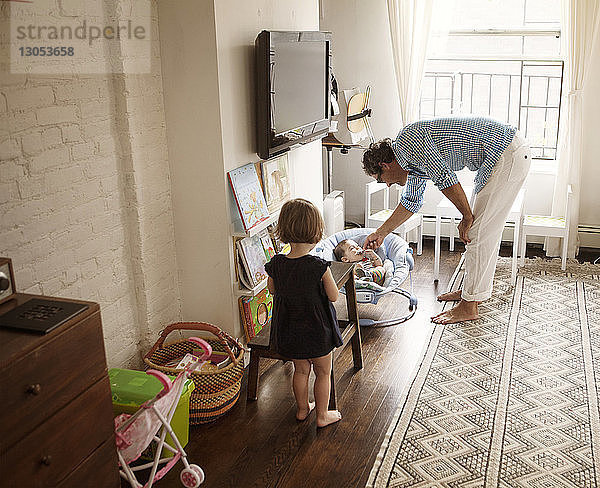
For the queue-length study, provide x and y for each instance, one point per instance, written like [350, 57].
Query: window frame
[541, 164]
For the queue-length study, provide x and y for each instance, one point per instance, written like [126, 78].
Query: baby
[371, 268]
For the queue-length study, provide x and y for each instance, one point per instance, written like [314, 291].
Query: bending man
[435, 149]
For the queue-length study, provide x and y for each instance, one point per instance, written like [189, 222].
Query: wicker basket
[215, 392]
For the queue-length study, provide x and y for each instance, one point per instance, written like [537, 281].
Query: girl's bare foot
[330, 417]
[451, 296]
[301, 414]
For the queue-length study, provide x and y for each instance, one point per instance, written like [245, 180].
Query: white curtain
[410, 25]
[580, 25]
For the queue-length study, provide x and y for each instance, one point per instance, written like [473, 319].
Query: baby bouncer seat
[393, 248]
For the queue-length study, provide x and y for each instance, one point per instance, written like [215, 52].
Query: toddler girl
[304, 327]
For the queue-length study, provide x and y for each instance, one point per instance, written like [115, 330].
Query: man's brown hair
[378, 153]
[300, 221]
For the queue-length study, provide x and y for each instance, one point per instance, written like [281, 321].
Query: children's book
[245, 316]
[258, 168]
[248, 195]
[242, 274]
[256, 312]
[276, 182]
[280, 247]
[268, 245]
[253, 257]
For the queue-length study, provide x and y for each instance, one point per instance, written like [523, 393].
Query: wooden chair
[548, 226]
[516, 217]
[375, 219]
[446, 210]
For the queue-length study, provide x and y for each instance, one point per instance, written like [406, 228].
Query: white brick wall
[83, 163]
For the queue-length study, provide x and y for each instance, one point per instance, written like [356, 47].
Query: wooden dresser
[56, 426]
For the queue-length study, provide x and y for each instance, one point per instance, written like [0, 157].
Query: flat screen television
[293, 86]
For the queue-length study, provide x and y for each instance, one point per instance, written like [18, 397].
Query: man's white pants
[492, 206]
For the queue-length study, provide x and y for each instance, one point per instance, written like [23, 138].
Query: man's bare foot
[451, 296]
[330, 417]
[301, 414]
[462, 312]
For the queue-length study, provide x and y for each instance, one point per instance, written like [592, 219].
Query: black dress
[304, 324]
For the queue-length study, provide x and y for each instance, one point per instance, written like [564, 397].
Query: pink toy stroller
[134, 433]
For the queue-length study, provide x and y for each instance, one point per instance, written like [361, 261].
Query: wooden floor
[260, 443]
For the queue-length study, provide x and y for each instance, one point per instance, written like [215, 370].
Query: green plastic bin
[131, 388]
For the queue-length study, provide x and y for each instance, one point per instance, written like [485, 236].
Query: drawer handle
[34, 389]
[47, 460]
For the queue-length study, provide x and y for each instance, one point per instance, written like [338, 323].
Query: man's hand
[369, 253]
[374, 240]
[464, 227]
[373, 257]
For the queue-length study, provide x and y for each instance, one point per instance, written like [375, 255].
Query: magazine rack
[237, 230]
[245, 288]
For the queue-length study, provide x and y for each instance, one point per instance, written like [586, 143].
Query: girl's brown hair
[300, 221]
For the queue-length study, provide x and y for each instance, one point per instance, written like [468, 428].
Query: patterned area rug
[509, 400]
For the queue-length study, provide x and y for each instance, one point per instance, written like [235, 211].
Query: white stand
[333, 212]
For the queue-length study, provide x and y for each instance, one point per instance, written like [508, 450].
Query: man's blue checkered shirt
[434, 149]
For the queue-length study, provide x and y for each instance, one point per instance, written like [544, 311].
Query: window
[499, 58]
